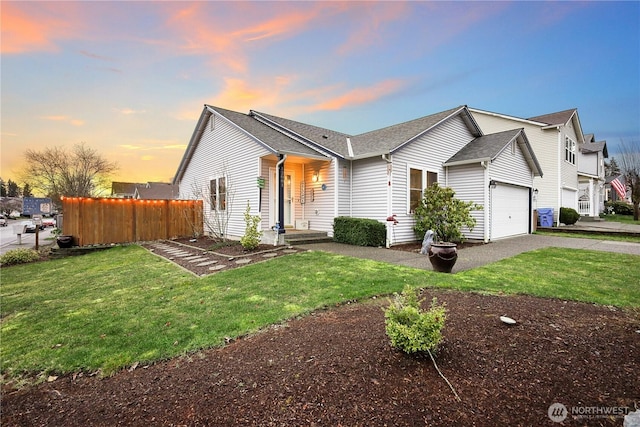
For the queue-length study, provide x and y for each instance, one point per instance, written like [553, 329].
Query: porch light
[314, 177]
[493, 184]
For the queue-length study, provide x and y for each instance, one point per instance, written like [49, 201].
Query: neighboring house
[297, 175]
[555, 139]
[591, 176]
[148, 191]
[124, 190]
[157, 191]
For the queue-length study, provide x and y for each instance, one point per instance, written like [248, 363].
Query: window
[218, 191]
[419, 179]
[569, 150]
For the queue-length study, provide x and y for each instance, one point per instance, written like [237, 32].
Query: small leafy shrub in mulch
[252, 235]
[412, 329]
[19, 256]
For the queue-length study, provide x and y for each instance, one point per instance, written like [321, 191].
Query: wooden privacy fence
[94, 221]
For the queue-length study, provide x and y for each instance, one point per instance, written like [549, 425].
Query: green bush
[410, 328]
[619, 207]
[569, 216]
[359, 231]
[252, 235]
[19, 256]
[440, 211]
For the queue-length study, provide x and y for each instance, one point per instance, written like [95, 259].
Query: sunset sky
[130, 78]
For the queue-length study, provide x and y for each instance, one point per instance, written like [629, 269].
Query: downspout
[279, 227]
[559, 184]
[351, 188]
[336, 186]
[387, 158]
[487, 201]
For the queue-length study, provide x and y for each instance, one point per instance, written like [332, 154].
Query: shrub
[252, 235]
[359, 231]
[440, 211]
[620, 207]
[410, 328]
[569, 216]
[19, 256]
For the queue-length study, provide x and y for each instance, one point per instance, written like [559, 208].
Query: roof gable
[324, 139]
[489, 147]
[272, 139]
[392, 138]
[158, 190]
[559, 118]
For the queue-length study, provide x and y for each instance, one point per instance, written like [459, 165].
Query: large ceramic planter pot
[64, 241]
[443, 256]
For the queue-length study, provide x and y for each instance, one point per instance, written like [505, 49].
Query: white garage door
[509, 211]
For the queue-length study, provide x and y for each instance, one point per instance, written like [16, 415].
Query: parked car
[48, 222]
[3, 221]
[31, 226]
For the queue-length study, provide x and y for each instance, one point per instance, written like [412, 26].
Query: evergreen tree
[611, 167]
[12, 189]
[3, 188]
[26, 191]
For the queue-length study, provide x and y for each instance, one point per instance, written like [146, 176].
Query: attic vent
[212, 122]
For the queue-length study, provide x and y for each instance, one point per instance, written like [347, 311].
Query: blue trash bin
[545, 217]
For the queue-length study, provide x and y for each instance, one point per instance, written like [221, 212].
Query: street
[9, 240]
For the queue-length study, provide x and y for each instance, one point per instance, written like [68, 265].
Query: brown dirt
[336, 367]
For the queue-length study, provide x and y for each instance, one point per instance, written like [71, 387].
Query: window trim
[569, 150]
[425, 176]
[214, 197]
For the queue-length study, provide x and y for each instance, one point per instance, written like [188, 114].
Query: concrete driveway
[476, 256]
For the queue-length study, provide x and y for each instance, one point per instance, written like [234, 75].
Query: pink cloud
[362, 95]
[372, 19]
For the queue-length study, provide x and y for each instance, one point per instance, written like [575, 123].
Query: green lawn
[626, 219]
[108, 310]
[592, 236]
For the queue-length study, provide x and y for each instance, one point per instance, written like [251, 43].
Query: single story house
[295, 175]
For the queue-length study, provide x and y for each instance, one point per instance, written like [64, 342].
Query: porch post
[280, 173]
[592, 201]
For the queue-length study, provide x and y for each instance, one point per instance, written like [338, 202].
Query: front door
[288, 198]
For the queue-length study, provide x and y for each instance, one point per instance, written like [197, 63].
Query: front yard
[142, 322]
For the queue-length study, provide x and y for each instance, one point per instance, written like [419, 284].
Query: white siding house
[311, 175]
[591, 176]
[555, 139]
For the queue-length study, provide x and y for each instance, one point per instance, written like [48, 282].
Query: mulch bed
[335, 367]
[213, 258]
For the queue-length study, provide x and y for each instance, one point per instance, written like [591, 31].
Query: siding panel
[225, 150]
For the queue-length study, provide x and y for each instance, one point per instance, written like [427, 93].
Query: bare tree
[217, 196]
[629, 160]
[79, 172]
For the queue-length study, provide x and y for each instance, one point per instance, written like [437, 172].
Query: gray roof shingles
[485, 147]
[558, 118]
[276, 141]
[392, 137]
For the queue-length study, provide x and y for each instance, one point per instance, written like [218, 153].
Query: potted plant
[440, 211]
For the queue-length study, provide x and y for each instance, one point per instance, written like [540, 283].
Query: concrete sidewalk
[479, 255]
